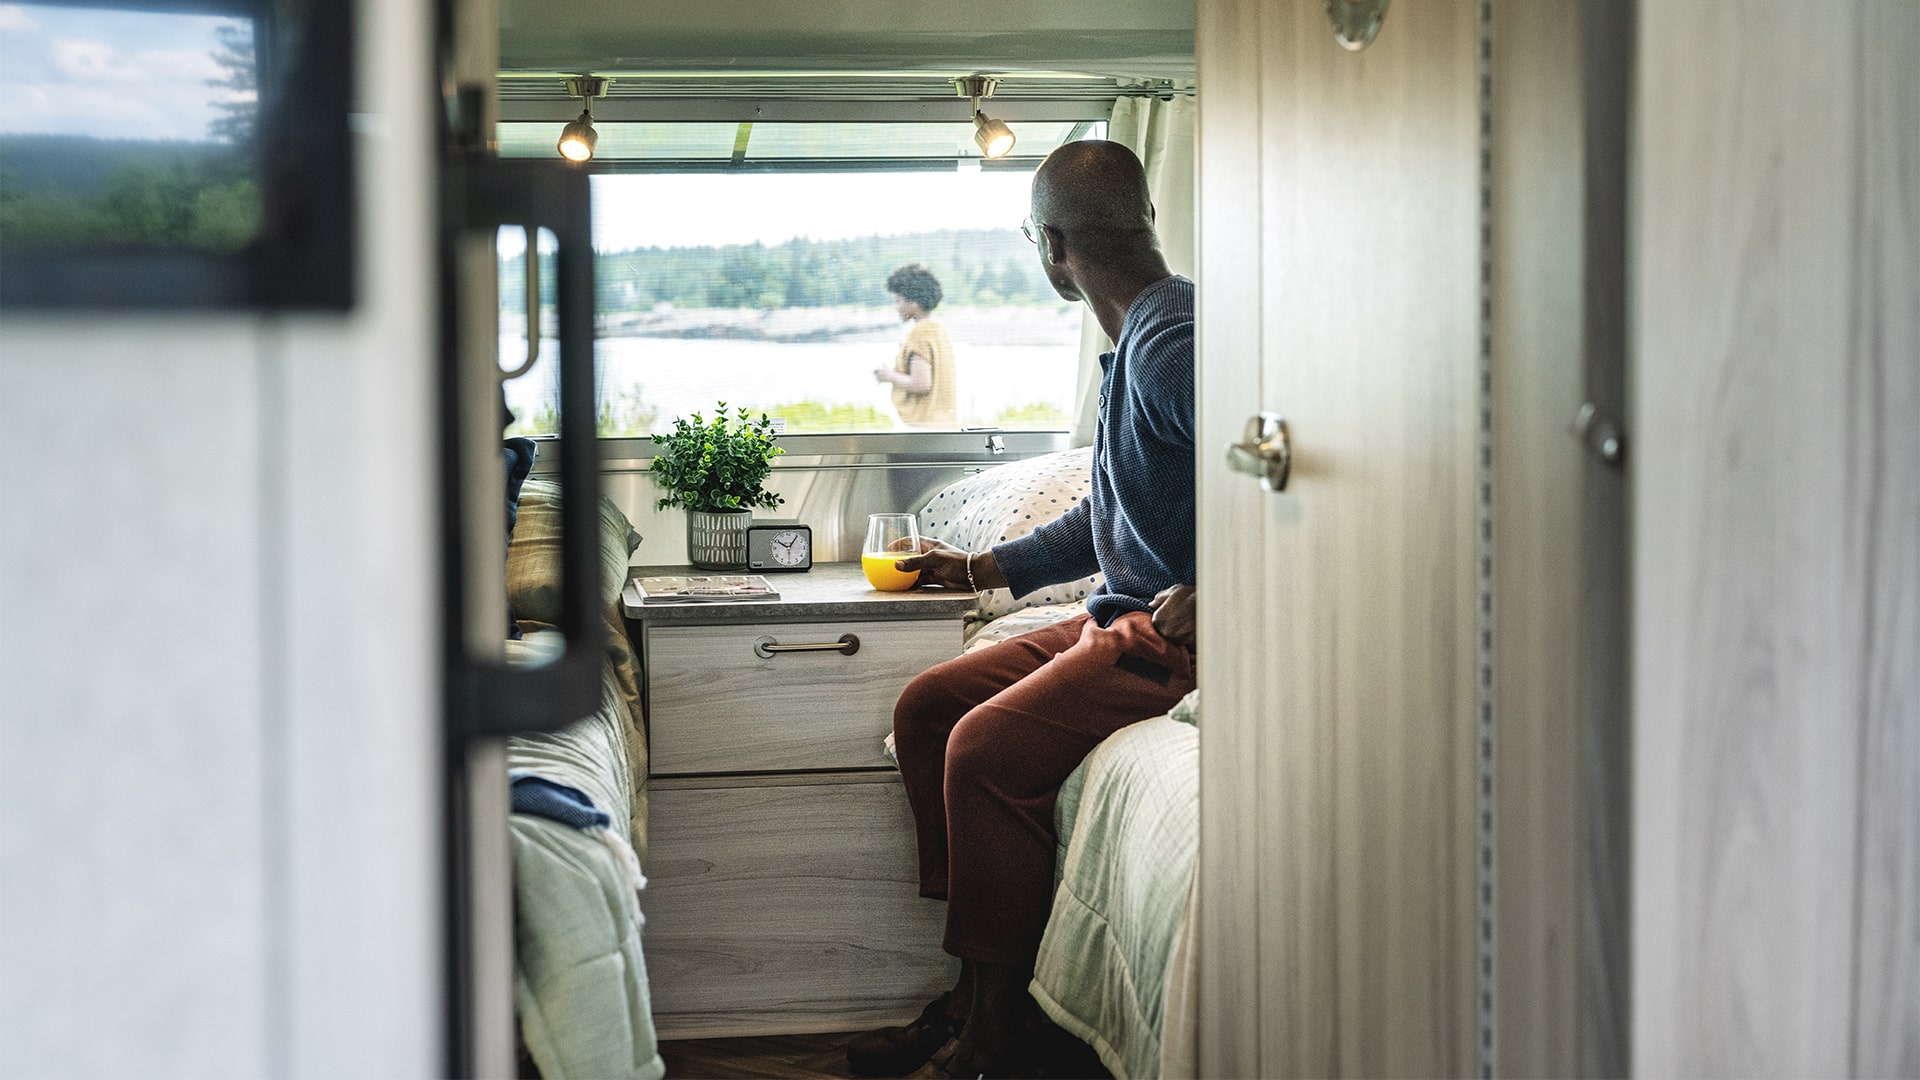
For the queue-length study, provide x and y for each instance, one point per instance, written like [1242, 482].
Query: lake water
[678, 376]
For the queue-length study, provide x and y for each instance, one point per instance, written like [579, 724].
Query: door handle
[1265, 452]
[485, 697]
[766, 648]
[533, 307]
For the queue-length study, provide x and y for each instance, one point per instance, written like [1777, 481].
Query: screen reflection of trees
[78, 191]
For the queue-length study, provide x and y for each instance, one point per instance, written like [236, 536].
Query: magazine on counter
[715, 589]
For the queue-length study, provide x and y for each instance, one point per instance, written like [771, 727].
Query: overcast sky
[115, 74]
[701, 209]
[685, 210]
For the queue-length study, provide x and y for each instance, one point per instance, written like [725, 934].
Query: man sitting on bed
[985, 740]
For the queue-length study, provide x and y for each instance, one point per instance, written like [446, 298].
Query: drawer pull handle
[766, 647]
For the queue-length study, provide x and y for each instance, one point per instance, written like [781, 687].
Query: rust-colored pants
[984, 743]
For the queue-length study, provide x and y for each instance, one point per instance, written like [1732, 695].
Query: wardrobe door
[1340, 285]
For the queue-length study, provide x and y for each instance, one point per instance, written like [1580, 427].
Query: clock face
[789, 547]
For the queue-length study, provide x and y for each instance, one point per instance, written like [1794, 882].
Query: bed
[1115, 965]
[1114, 968]
[580, 978]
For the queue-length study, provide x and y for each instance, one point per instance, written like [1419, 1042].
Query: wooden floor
[801, 1057]
[810, 1057]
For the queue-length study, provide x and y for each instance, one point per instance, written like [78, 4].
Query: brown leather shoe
[896, 1051]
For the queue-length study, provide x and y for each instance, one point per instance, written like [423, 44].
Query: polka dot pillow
[1007, 502]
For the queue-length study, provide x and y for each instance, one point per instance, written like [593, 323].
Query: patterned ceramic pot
[717, 539]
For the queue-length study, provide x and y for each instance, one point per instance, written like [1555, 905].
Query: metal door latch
[1600, 435]
[1356, 22]
[1266, 451]
[996, 444]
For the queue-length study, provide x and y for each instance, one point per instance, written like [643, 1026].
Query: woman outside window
[923, 378]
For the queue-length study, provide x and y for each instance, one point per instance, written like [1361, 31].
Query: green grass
[1033, 416]
[627, 416]
[811, 417]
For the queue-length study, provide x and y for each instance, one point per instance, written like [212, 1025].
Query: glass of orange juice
[890, 538]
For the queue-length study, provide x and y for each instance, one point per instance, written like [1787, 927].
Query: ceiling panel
[1115, 37]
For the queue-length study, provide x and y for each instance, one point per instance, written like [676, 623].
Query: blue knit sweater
[1136, 526]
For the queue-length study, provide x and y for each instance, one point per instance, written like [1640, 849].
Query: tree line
[976, 268]
[66, 192]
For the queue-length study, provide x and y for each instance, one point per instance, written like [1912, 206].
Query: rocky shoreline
[1022, 324]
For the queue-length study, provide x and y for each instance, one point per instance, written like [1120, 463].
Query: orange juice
[882, 575]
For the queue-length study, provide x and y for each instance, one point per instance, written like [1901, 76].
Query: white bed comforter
[580, 979]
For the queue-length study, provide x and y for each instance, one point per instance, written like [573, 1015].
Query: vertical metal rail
[1483, 978]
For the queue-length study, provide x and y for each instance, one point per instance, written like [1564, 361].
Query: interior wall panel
[1606, 558]
[354, 514]
[1774, 355]
[219, 714]
[1885, 491]
[1538, 471]
[134, 922]
[1235, 795]
[1560, 574]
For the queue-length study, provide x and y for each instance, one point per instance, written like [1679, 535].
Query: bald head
[1095, 192]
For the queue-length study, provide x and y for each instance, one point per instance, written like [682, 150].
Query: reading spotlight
[578, 139]
[993, 137]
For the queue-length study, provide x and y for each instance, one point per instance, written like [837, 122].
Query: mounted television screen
[175, 154]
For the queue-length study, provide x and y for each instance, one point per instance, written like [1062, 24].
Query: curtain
[1162, 134]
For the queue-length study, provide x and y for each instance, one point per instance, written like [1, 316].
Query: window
[766, 287]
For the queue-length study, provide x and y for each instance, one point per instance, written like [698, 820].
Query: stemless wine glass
[890, 538]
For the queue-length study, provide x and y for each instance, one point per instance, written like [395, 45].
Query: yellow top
[939, 407]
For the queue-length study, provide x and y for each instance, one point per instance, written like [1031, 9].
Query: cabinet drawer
[714, 705]
[785, 908]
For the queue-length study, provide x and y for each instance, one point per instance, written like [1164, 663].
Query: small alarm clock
[779, 545]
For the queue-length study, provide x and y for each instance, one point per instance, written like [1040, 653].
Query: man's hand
[1174, 615]
[941, 563]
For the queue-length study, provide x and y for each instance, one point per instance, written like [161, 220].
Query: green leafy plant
[717, 464]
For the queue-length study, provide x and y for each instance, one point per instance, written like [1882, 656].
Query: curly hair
[917, 285]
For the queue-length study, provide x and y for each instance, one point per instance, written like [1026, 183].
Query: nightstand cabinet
[782, 888]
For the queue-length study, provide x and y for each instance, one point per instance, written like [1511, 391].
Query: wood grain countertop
[833, 590]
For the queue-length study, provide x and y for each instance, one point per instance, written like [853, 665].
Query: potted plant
[716, 469]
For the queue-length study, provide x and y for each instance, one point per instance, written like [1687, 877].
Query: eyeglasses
[1030, 229]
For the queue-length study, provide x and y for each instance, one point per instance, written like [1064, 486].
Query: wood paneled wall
[1230, 286]
[1776, 358]
[1538, 469]
[1559, 92]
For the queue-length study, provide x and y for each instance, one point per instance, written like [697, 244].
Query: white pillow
[1007, 502]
